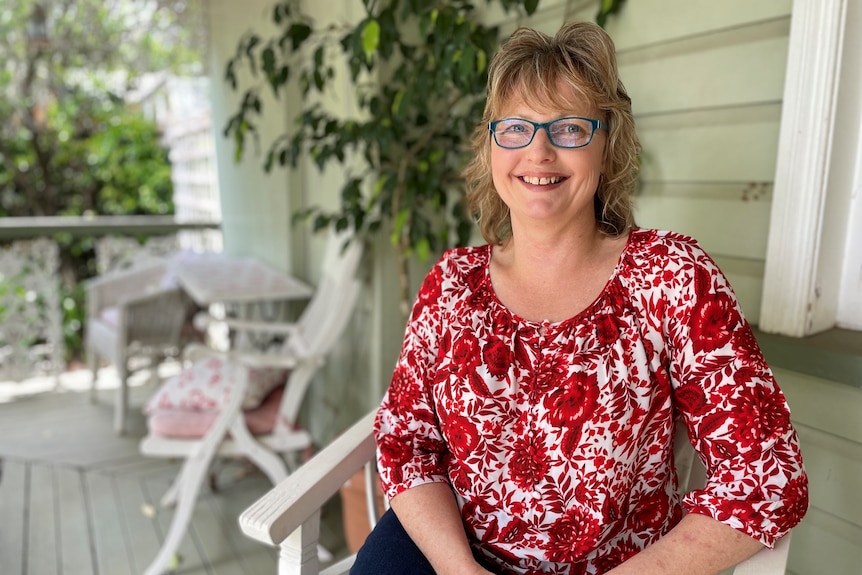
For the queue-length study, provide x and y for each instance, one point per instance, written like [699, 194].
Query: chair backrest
[328, 312]
[122, 252]
[324, 319]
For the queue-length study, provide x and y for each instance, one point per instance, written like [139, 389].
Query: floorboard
[75, 552]
[42, 529]
[73, 494]
[111, 553]
[140, 527]
[13, 493]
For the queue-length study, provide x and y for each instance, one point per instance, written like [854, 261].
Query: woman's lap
[388, 550]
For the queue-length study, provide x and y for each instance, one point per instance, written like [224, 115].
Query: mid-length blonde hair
[532, 65]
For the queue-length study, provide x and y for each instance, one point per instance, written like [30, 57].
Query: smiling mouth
[536, 181]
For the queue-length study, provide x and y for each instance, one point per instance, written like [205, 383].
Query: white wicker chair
[289, 515]
[136, 312]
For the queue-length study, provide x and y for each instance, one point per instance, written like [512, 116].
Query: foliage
[419, 70]
[69, 144]
[606, 8]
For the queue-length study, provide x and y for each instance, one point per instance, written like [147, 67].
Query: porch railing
[32, 339]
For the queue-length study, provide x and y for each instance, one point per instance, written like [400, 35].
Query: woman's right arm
[430, 516]
[411, 448]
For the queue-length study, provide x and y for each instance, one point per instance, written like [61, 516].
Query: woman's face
[545, 185]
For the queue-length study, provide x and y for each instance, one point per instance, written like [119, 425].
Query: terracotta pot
[355, 510]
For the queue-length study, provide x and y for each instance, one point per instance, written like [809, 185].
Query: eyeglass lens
[565, 132]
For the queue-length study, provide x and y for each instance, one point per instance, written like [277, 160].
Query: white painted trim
[850, 303]
[807, 125]
[850, 300]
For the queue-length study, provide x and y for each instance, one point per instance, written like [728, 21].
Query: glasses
[572, 132]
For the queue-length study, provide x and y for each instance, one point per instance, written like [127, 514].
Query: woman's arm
[430, 516]
[698, 545]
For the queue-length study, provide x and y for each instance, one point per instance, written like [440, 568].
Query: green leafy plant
[69, 144]
[419, 70]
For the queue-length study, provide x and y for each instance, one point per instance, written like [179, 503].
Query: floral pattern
[557, 437]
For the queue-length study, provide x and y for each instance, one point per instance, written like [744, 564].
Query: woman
[528, 427]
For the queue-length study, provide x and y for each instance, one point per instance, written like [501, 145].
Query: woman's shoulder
[464, 259]
[651, 249]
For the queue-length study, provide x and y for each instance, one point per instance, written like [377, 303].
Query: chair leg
[155, 361]
[121, 399]
[193, 472]
[169, 499]
[267, 461]
[93, 365]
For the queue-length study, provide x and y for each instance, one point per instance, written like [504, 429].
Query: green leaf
[481, 61]
[400, 221]
[298, 33]
[378, 186]
[423, 249]
[370, 38]
[396, 102]
[530, 6]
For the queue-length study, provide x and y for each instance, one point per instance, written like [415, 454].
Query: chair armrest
[767, 561]
[273, 517]
[193, 352]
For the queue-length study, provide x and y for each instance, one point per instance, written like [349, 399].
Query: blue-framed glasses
[571, 132]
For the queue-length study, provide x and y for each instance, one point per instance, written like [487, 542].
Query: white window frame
[813, 275]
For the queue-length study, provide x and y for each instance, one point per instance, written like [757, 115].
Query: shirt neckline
[586, 312]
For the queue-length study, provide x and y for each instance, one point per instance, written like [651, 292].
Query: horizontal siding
[736, 67]
[727, 152]
[722, 227]
[827, 417]
[650, 22]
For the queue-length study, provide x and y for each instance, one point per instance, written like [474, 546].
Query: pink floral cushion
[207, 385]
[187, 424]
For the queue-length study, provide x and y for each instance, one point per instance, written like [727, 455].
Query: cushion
[207, 384]
[188, 424]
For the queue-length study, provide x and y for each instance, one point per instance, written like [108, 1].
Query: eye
[568, 127]
[513, 128]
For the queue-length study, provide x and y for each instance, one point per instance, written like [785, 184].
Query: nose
[541, 147]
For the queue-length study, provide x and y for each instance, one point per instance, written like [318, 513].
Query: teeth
[542, 181]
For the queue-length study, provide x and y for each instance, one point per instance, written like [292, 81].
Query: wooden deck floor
[73, 494]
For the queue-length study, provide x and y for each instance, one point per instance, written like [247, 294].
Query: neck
[537, 251]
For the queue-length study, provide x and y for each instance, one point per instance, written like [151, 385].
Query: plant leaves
[370, 38]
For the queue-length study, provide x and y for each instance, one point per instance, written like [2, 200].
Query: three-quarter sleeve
[410, 447]
[736, 415]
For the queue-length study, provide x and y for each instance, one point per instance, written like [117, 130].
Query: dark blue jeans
[388, 550]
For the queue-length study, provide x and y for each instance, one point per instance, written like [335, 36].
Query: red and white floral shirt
[557, 437]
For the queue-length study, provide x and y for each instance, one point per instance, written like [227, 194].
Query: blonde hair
[532, 64]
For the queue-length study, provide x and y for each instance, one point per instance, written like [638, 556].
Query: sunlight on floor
[79, 380]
